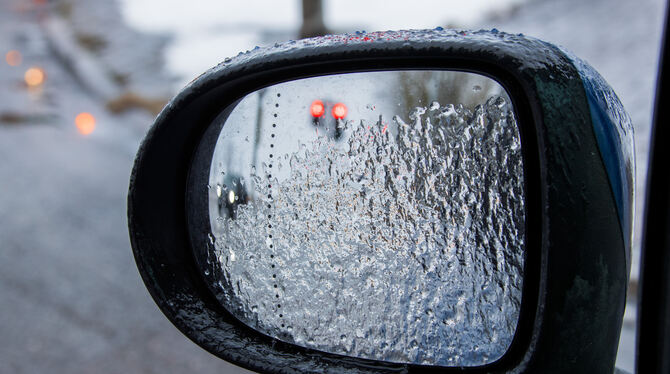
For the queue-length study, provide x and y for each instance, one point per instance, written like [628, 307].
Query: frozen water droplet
[434, 105]
[439, 28]
[227, 59]
[448, 110]
[417, 112]
[399, 121]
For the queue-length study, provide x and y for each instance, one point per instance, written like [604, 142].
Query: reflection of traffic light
[317, 109]
[338, 111]
[230, 195]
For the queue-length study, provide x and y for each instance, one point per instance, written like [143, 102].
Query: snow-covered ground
[205, 34]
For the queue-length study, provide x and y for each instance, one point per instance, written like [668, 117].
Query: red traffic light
[317, 109]
[339, 111]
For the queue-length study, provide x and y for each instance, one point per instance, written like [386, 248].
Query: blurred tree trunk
[312, 19]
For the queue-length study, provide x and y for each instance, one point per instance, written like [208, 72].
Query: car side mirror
[407, 200]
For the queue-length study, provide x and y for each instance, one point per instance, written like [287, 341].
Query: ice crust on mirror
[401, 240]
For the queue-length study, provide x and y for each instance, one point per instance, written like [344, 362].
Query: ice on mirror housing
[401, 239]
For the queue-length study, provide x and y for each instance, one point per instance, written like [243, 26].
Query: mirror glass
[377, 215]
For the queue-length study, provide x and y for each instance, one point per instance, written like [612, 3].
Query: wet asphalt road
[71, 299]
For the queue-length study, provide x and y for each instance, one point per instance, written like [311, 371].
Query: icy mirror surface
[393, 233]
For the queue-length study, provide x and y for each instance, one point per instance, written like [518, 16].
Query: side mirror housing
[575, 153]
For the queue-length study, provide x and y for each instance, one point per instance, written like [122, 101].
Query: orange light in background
[34, 77]
[339, 111]
[13, 58]
[85, 123]
[317, 109]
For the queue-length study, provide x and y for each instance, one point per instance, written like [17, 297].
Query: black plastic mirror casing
[578, 212]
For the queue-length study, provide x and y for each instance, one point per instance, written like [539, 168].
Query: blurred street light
[34, 77]
[85, 123]
[13, 58]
